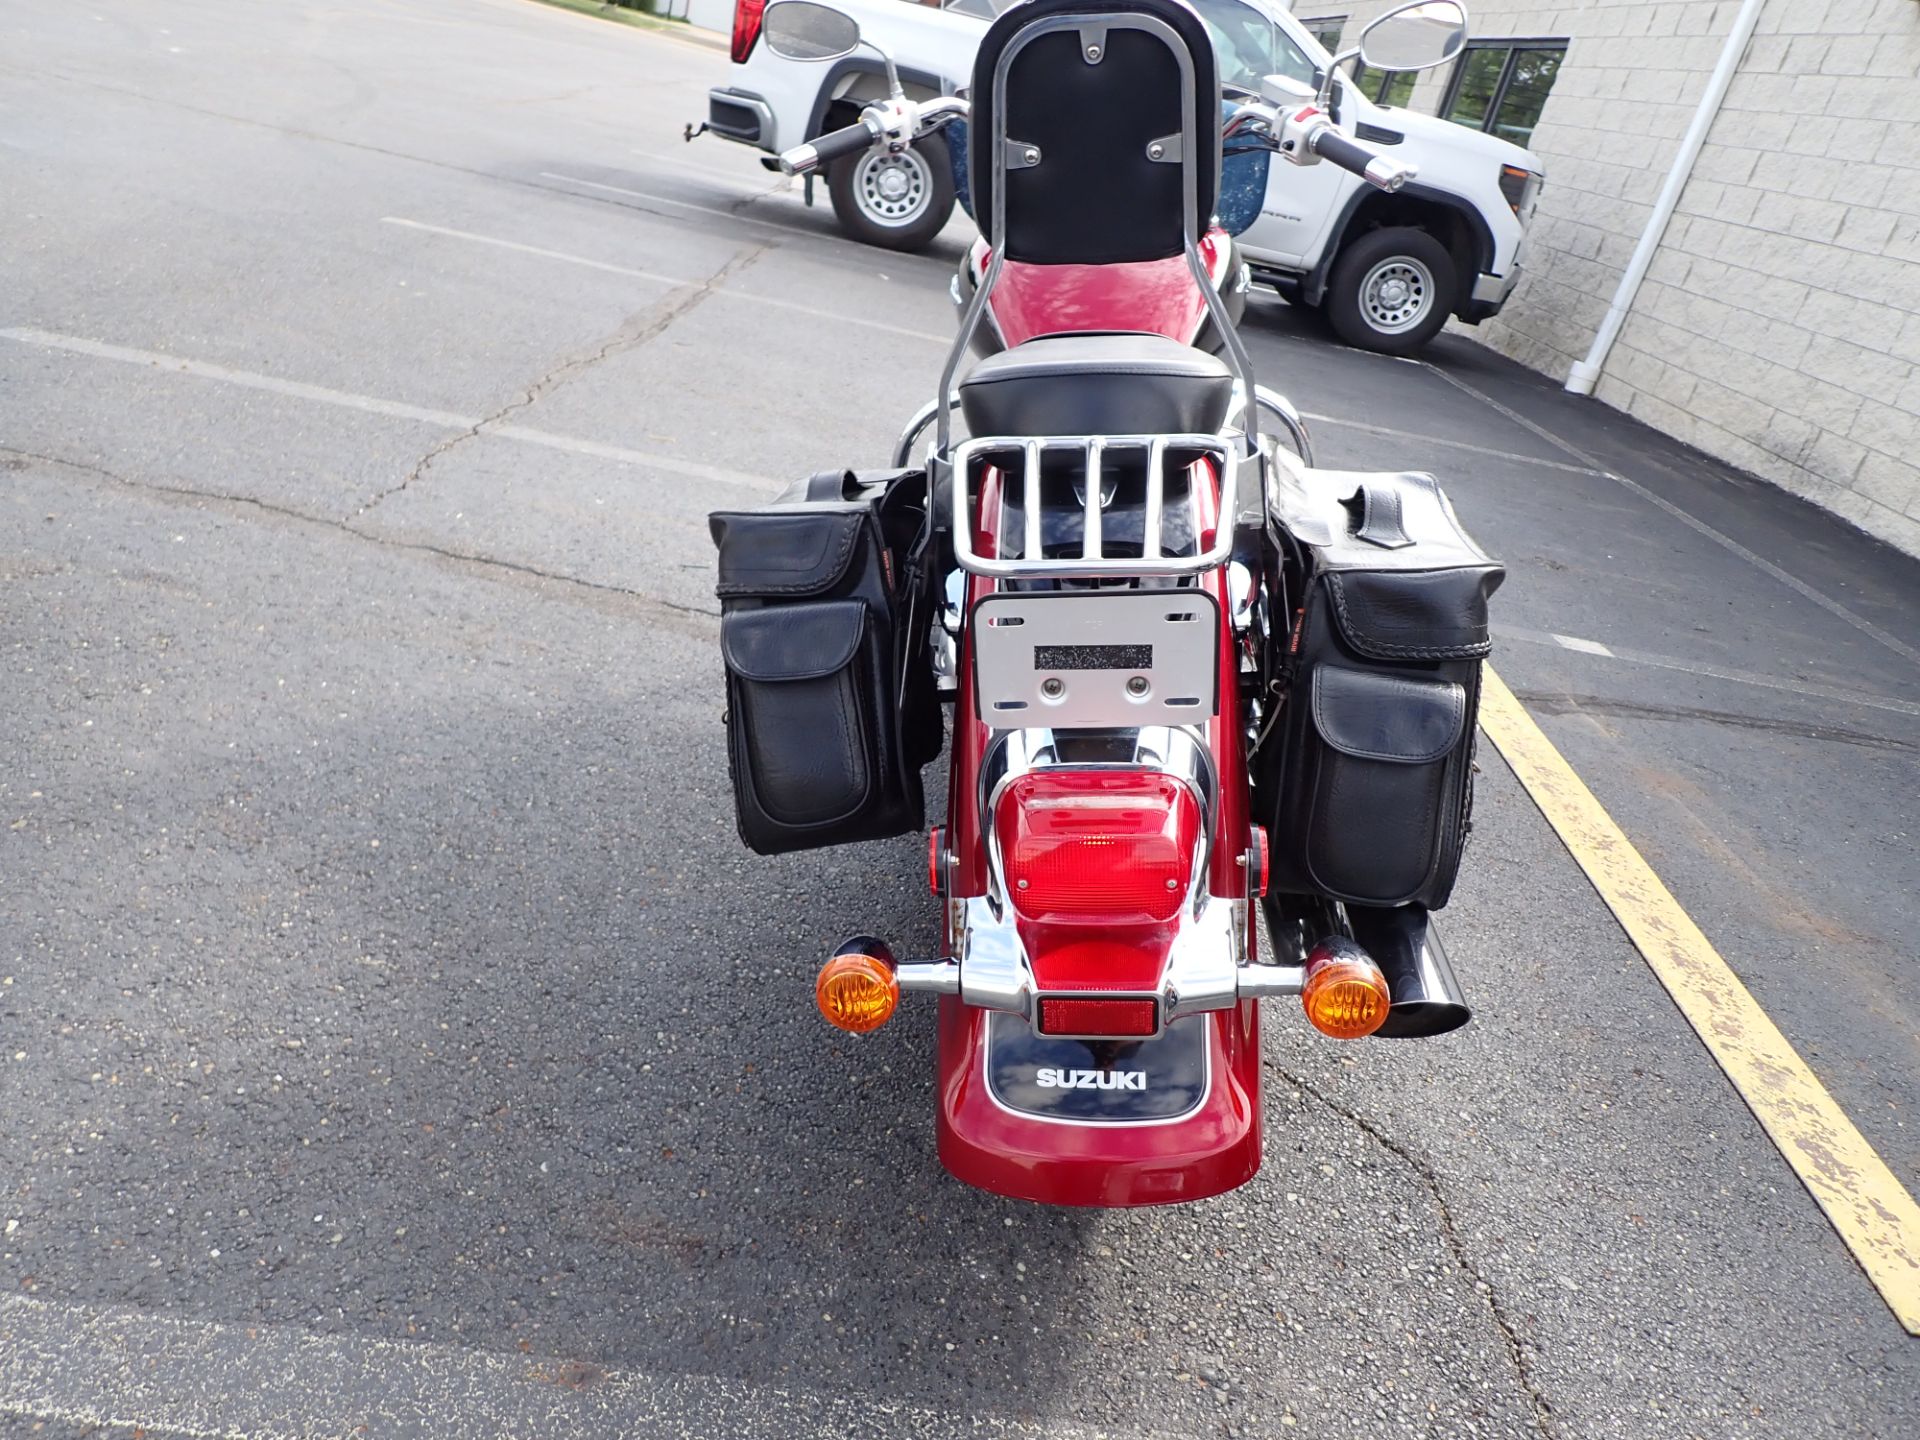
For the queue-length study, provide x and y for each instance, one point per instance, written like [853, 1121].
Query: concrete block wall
[1779, 327]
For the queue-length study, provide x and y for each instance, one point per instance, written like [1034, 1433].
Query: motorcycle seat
[1098, 383]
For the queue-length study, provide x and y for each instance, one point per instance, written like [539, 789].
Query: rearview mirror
[1414, 37]
[802, 30]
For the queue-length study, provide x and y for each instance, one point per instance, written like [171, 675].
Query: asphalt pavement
[395, 1038]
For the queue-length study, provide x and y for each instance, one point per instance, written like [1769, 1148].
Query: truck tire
[898, 202]
[1391, 290]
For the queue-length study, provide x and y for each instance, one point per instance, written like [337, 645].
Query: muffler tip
[1405, 944]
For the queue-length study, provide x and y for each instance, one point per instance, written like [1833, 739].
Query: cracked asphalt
[394, 1037]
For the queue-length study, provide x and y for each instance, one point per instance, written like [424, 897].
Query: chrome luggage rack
[1024, 454]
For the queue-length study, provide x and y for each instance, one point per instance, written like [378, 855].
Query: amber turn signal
[1345, 994]
[857, 990]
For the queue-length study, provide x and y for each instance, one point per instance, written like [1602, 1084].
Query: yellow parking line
[1877, 1219]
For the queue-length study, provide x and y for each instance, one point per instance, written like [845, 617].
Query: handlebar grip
[1369, 165]
[1330, 144]
[826, 148]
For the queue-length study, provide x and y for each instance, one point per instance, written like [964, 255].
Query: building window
[1384, 87]
[1327, 30]
[1501, 86]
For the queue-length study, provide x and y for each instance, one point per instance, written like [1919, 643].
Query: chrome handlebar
[1305, 134]
[1302, 133]
[895, 123]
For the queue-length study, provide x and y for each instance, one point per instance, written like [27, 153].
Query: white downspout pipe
[1586, 373]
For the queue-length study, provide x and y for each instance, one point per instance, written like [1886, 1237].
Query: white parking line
[898, 259]
[712, 172]
[574, 445]
[544, 254]
[1785, 684]
[830, 316]
[206, 370]
[1693, 522]
[374, 405]
[91, 1367]
[1585, 647]
[771, 301]
[669, 200]
[1343, 423]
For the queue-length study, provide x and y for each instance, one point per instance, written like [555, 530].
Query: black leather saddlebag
[825, 603]
[1366, 777]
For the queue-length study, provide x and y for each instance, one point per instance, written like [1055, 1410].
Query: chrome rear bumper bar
[1208, 968]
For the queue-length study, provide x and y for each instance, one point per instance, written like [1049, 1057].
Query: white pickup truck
[1385, 269]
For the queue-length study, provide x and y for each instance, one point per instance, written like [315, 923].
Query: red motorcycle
[1192, 678]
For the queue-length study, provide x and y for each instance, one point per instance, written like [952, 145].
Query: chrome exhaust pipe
[1406, 946]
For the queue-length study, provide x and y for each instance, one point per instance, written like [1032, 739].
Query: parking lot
[395, 1038]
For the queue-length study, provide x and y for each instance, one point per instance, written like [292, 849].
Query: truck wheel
[1391, 290]
[898, 202]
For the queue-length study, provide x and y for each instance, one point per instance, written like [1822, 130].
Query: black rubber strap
[830, 485]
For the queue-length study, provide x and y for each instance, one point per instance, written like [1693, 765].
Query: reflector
[936, 843]
[1113, 845]
[1259, 864]
[1099, 1017]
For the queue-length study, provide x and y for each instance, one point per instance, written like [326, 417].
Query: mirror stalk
[894, 87]
[1323, 97]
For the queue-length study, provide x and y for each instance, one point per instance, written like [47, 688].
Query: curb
[639, 20]
[707, 39]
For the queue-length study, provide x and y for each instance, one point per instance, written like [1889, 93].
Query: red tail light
[1112, 845]
[746, 27]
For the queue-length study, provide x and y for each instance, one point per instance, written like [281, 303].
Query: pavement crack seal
[1450, 1236]
[1565, 703]
[740, 206]
[1798, 685]
[638, 330]
[188, 495]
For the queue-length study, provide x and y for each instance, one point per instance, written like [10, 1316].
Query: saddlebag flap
[1366, 776]
[1394, 719]
[793, 552]
[831, 712]
[1412, 615]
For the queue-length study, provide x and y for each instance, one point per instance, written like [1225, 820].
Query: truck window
[1248, 46]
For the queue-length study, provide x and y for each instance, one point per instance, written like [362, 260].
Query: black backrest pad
[1095, 198]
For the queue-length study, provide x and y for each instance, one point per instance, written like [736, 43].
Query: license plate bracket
[1096, 659]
